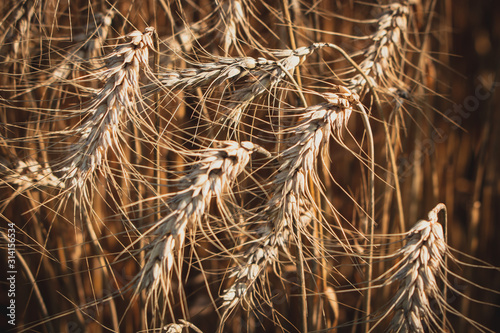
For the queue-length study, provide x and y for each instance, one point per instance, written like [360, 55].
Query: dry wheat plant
[239, 166]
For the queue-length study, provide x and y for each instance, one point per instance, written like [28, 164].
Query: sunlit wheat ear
[262, 75]
[383, 57]
[212, 176]
[264, 80]
[421, 264]
[115, 103]
[308, 138]
[214, 73]
[262, 252]
[286, 209]
[172, 47]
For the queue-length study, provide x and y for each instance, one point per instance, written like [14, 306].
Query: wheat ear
[211, 177]
[287, 207]
[117, 98]
[28, 173]
[422, 261]
[381, 57]
[263, 76]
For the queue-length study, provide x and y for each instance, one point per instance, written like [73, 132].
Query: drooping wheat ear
[289, 206]
[104, 117]
[181, 41]
[381, 57]
[265, 79]
[263, 75]
[310, 136]
[213, 73]
[211, 177]
[263, 252]
[422, 262]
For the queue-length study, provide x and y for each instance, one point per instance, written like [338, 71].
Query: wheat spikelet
[421, 264]
[115, 100]
[211, 177]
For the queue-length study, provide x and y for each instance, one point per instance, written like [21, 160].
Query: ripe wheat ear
[212, 177]
[105, 116]
[418, 271]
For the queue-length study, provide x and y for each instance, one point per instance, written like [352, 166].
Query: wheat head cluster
[227, 166]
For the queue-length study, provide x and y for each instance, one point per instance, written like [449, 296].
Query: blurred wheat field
[249, 166]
